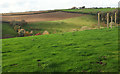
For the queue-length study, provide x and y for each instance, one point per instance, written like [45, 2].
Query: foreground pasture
[84, 51]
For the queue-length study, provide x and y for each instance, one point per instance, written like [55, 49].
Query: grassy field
[66, 25]
[8, 31]
[83, 51]
[59, 26]
[94, 11]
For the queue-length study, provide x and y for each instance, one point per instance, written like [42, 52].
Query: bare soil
[41, 17]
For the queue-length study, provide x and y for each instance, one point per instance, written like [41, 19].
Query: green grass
[8, 31]
[87, 20]
[68, 52]
[94, 11]
[66, 25]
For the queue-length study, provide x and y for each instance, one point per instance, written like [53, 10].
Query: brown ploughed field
[41, 17]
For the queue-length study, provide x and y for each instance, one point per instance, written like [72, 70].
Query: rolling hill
[66, 25]
[8, 31]
[73, 45]
[83, 51]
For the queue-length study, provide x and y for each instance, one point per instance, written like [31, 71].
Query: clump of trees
[17, 27]
[83, 7]
[74, 8]
[20, 23]
[17, 24]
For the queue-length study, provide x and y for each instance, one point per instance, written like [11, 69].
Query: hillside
[58, 26]
[8, 31]
[65, 25]
[53, 15]
[83, 51]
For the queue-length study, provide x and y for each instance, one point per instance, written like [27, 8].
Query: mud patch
[13, 64]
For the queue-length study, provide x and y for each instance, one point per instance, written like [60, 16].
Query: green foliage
[21, 33]
[13, 23]
[16, 27]
[21, 23]
[84, 51]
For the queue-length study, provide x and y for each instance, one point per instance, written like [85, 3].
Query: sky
[7, 6]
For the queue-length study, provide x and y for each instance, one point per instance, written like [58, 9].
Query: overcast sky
[36, 5]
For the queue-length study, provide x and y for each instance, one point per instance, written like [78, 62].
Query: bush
[22, 22]
[16, 27]
[21, 32]
[13, 23]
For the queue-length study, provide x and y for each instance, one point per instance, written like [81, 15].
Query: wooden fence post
[107, 20]
[115, 19]
[111, 21]
[98, 20]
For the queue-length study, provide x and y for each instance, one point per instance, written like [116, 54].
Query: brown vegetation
[45, 33]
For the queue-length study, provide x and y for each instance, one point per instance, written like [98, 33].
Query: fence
[106, 17]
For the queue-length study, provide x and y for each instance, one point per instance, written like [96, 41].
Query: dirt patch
[42, 17]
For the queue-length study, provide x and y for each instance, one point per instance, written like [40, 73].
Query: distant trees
[108, 7]
[78, 7]
[83, 7]
[74, 8]
[95, 7]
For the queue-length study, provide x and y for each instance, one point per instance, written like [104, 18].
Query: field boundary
[29, 13]
[79, 12]
[50, 12]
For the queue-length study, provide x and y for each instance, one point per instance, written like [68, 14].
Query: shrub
[38, 34]
[21, 32]
[16, 27]
[45, 33]
[23, 22]
[13, 23]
